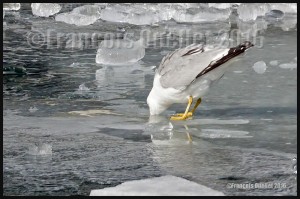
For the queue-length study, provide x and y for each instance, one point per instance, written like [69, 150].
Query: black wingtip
[246, 45]
[233, 52]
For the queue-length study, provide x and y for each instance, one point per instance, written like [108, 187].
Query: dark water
[244, 131]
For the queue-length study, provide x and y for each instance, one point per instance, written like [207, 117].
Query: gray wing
[179, 68]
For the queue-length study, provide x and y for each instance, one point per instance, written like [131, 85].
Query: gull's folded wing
[179, 68]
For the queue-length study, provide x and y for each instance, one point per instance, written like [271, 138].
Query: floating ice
[80, 16]
[147, 14]
[138, 14]
[220, 5]
[260, 67]
[101, 5]
[120, 52]
[201, 15]
[288, 23]
[113, 77]
[274, 62]
[238, 71]
[11, 6]
[45, 9]
[159, 186]
[82, 87]
[284, 7]
[33, 109]
[40, 149]
[291, 65]
[250, 11]
[275, 14]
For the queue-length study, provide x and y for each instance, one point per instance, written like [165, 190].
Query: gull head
[154, 104]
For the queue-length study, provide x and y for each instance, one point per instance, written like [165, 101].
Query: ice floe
[159, 186]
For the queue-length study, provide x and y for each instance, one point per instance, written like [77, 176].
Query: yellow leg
[196, 105]
[185, 114]
[191, 113]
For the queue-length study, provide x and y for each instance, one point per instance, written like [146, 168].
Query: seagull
[187, 74]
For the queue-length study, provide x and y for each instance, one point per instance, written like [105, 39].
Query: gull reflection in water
[161, 128]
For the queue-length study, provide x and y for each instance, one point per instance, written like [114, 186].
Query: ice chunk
[101, 5]
[273, 63]
[45, 9]
[185, 5]
[137, 14]
[11, 6]
[284, 7]
[260, 67]
[159, 186]
[250, 11]
[201, 15]
[290, 65]
[147, 14]
[288, 23]
[33, 109]
[220, 5]
[275, 14]
[120, 52]
[40, 149]
[81, 16]
[82, 87]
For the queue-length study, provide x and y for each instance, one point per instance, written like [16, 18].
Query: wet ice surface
[72, 125]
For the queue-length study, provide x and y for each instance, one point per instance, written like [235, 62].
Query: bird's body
[188, 73]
